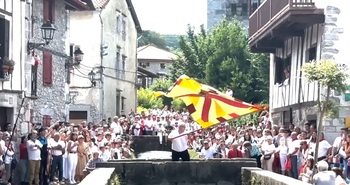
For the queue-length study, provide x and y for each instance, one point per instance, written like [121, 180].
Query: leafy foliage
[327, 74]
[161, 84]
[153, 38]
[146, 99]
[251, 118]
[221, 58]
[193, 55]
[178, 104]
[172, 41]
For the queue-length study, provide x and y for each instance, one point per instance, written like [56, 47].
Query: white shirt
[75, 148]
[323, 148]
[207, 153]
[9, 154]
[149, 124]
[292, 146]
[283, 145]
[53, 144]
[34, 151]
[117, 129]
[178, 144]
[105, 156]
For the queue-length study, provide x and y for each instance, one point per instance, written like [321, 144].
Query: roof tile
[100, 3]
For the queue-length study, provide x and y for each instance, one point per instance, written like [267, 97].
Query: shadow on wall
[141, 144]
[162, 172]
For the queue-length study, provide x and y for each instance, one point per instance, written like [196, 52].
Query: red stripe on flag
[206, 108]
[228, 101]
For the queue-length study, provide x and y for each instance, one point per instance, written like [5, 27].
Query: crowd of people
[66, 153]
[286, 149]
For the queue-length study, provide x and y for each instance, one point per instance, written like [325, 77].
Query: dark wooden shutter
[46, 9]
[52, 11]
[4, 38]
[31, 112]
[47, 68]
[46, 121]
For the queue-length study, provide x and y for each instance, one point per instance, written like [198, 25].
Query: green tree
[193, 55]
[329, 77]
[153, 38]
[146, 99]
[221, 58]
[161, 84]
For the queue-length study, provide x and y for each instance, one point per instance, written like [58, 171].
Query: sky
[170, 16]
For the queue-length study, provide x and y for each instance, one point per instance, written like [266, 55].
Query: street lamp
[47, 33]
[78, 55]
[92, 77]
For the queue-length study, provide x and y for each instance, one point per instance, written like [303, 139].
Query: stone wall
[160, 172]
[142, 144]
[217, 10]
[52, 98]
[257, 176]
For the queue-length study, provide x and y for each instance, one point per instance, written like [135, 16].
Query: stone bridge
[195, 172]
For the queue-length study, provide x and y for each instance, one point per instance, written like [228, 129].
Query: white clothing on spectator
[117, 129]
[53, 144]
[324, 178]
[207, 153]
[323, 148]
[33, 150]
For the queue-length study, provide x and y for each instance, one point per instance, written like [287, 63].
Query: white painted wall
[17, 44]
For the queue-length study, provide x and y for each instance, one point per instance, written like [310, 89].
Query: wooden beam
[312, 19]
[284, 33]
[262, 50]
[269, 44]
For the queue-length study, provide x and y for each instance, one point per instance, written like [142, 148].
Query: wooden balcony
[275, 20]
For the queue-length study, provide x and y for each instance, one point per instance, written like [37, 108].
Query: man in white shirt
[293, 152]
[34, 146]
[116, 127]
[57, 147]
[207, 152]
[179, 141]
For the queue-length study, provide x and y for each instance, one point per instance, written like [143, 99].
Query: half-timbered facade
[296, 32]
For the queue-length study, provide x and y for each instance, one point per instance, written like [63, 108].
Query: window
[312, 53]
[162, 65]
[46, 121]
[239, 9]
[34, 80]
[117, 64]
[282, 70]
[147, 64]
[49, 10]
[123, 67]
[47, 68]
[124, 30]
[4, 41]
[118, 24]
[123, 103]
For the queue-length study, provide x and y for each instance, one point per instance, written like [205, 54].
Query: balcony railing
[270, 9]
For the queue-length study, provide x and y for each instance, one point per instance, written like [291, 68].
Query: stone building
[157, 61]
[46, 66]
[294, 34]
[110, 47]
[217, 10]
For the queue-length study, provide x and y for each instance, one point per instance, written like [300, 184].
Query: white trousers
[72, 165]
[283, 161]
[65, 167]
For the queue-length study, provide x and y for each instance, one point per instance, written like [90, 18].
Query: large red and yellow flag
[207, 105]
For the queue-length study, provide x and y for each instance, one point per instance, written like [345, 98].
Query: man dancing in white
[179, 143]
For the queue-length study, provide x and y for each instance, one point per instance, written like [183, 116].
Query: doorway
[76, 117]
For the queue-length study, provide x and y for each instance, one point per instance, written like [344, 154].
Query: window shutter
[52, 11]
[4, 38]
[46, 9]
[46, 121]
[47, 68]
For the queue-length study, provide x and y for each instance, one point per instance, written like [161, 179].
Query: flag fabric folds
[207, 105]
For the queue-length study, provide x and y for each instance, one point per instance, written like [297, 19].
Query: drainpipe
[102, 95]
[136, 64]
